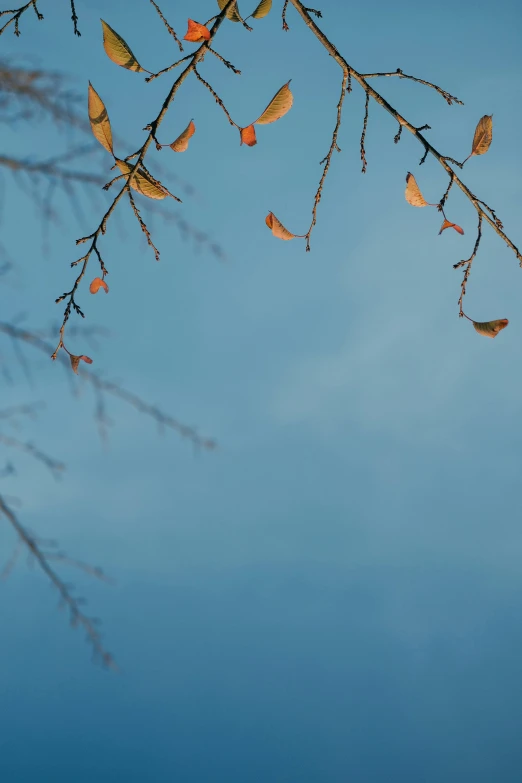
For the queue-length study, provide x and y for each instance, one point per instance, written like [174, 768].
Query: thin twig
[168, 68]
[216, 97]
[167, 25]
[225, 62]
[283, 16]
[74, 18]
[143, 226]
[450, 99]
[328, 158]
[467, 263]
[363, 134]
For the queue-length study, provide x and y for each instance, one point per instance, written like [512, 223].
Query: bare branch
[363, 134]
[328, 158]
[102, 386]
[450, 99]
[216, 97]
[167, 25]
[54, 466]
[428, 148]
[467, 264]
[143, 226]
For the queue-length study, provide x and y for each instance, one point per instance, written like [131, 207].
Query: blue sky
[335, 592]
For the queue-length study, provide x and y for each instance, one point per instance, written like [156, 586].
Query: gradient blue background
[335, 593]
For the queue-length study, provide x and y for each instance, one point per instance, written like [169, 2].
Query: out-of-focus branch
[116, 390]
[74, 605]
[54, 466]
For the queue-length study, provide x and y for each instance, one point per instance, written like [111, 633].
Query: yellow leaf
[182, 142]
[99, 120]
[248, 136]
[490, 328]
[413, 194]
[232, 14]
[278, 106]
[117, 50]
[263, 9]
[483, 135]
[278, 230]
[142, 182]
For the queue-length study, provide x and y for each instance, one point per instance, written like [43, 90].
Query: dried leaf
[278, 230]
[117, 50]
[142, 182]
[182, 142]
[263, 9]
[99, 119]
[278, 106]
[232, 14]
[490, 328]
[483, 135]
[98, 283]
[196, 32]
[413, 194]
[75, 361]
[447, 224]
[248, 136]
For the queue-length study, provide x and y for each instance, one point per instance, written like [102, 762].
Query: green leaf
[490, 328]
[142, 182]
[278, 106]
[99, 120]
[117, 49]
[263, 9]
[232, 14]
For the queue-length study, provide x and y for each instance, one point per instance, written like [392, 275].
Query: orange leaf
[75, 361]
[196, 32]
[278, 230]
[447, 224]
[248, 136]
[182, 142]
[98, 283]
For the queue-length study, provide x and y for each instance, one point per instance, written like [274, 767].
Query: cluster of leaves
[137, 176]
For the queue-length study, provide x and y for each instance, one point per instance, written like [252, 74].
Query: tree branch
[485, 214]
